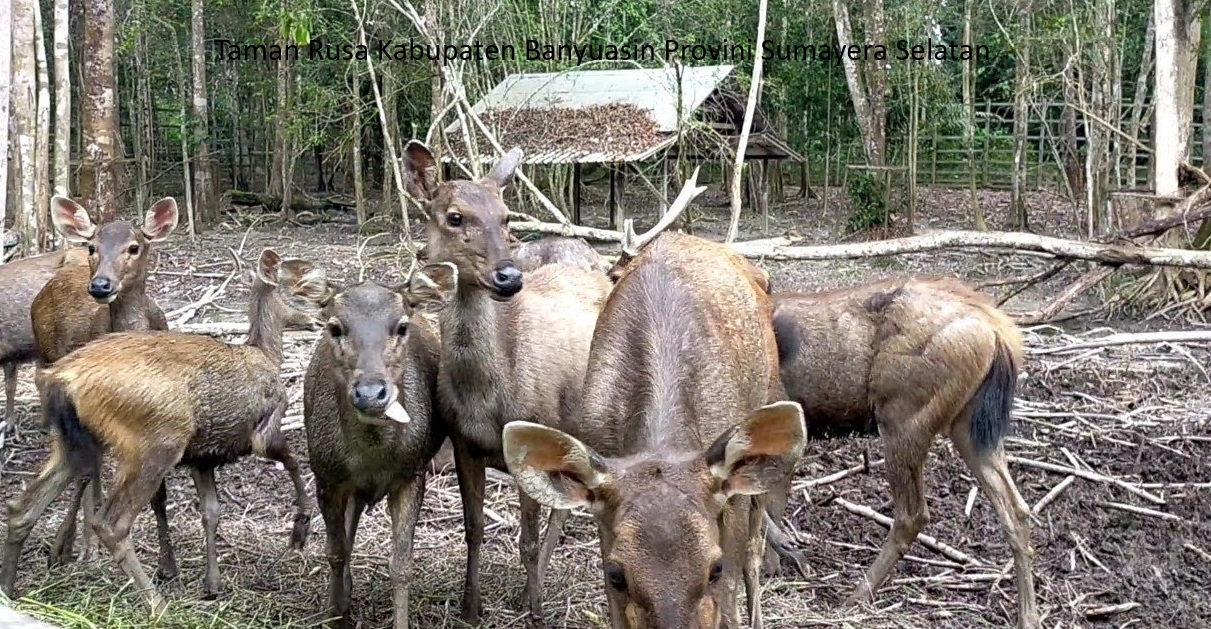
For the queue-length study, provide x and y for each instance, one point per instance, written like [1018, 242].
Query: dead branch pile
[617, 128]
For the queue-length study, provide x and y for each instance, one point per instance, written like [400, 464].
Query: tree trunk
[857, 89]
[99, 171]
[62, 100]
[359, 190]
[1166, 130]
[876, 81]
[6, 93]
[277, 170]
[1206, 128]
[24, 122]
[1022, 96]
[203, 173]
[1099, 75]
[1189, 30]
[969, 123]
[391, 127]
[43, 234]
[754, 93]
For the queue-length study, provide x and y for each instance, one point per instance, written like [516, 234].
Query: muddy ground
[1137, 413]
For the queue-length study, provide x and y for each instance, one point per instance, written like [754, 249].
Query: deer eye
[454, 219]
[133, 250]
[334, 329]
[401, 328]
[92, 250]
[616, 577]
[716, 571]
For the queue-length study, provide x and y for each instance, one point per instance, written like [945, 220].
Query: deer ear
[71, 220]
[421, 170]
[268, 266]
[552, 467]
[160, 220]
[760, 453]
[305, 280]
[431, 286]
[502, 173]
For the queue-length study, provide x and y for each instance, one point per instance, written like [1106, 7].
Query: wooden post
[987, 132]
[577, 194]
[617, 189]
[933, 161]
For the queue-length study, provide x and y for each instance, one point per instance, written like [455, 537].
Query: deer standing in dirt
[680, 437]
[156, 400]
[21, 280]
[559, 250]
[507, 353]
[913, 358]
[374, 359]
[83, 302]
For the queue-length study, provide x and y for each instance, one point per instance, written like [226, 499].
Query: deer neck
[265, 314]
[471, 336]
[128, 312]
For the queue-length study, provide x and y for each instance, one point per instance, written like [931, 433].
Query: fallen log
[1116, 254]
[298, 202]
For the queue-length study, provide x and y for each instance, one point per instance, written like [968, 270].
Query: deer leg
[405, 505]
[471, 480]
[277, 450]
[353, 516]
[905, 453]
[753, 558]
[167, 569]
[65, 536]
[138, 481]
[733, 527]
[24, 512]
[208, 500]
[333, 506]
[778, 544]
[555, 523]
[992, 473]
[531, 513]
[10, 392]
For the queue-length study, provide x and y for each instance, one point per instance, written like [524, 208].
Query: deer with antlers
[680, 435]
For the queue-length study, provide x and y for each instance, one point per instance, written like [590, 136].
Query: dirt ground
[1133, 417]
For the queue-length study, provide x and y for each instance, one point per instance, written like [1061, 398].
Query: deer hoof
[212, 592]
[535, 622]
[302, 528]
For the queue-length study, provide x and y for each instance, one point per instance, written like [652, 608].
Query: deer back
[20, 281]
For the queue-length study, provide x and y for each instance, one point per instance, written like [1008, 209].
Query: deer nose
[506, 279]
[370, 394]
[100, 287]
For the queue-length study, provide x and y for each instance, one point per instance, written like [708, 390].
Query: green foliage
[868, 195]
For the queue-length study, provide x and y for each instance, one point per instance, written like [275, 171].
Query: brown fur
[663, 455]
[21, 280]
[66, 316]
[175, 399]
[559, 250]
[913, 358]
[356, 462]
[505, 355]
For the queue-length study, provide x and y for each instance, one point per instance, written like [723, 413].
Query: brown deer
[507, 353]
[559, 250]
[156, 400]
[21, 281]
[373, 355]
[679, 438]
[82, 303]
[912, 359]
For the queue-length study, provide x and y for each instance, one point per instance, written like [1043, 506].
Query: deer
[507, 352]
[372, 419]
[681, 434]
[557, 249]
[83, 302]
[158, 400]
[910, 359]
[22, 279]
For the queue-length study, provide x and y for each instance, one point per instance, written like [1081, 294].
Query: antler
[631, 244]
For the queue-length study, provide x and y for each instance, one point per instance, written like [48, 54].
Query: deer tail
[79, 444]
[990, 417]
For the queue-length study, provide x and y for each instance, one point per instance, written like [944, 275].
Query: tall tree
[868, 83]
[24, 121]
[62, 99]
[99, 160]
[43, 239]
[6, 68]
[203, 172]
